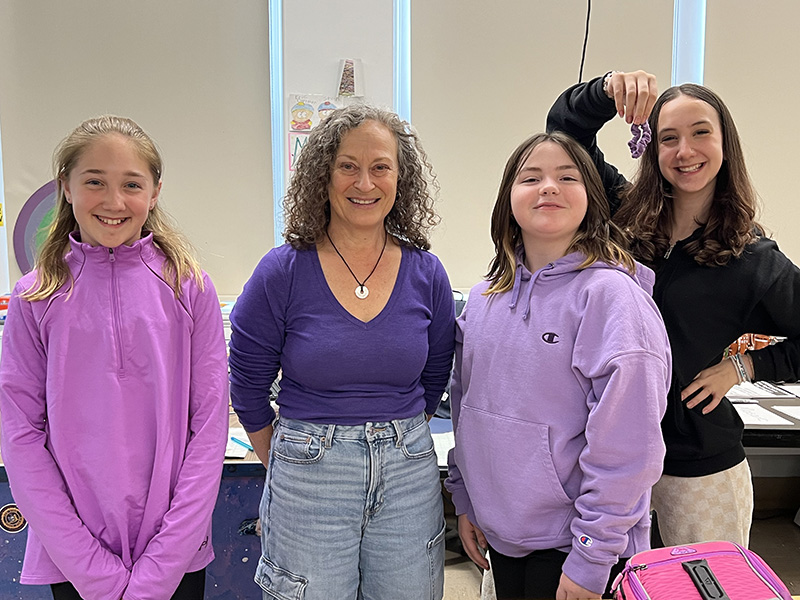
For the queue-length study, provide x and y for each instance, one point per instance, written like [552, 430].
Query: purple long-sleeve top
[334, 367]
[113, 403]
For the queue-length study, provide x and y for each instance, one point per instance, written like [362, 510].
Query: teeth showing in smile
[691, 169]
[110, 221]
[363, 201]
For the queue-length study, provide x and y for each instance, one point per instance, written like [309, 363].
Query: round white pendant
[362, 292]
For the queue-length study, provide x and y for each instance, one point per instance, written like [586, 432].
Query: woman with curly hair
[359, 319]
[690, 215]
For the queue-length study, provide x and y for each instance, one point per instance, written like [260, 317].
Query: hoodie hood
[524, 280]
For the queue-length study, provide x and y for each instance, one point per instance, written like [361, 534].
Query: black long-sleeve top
[704, 308]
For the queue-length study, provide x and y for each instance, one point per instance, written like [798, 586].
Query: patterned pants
[717, 507]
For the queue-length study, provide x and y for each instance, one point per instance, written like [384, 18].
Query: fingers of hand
[691, 389]
[476, 555]
[634, 95]
[699, 391]
[646, 94]
[569, 590]
[698, 399]
[481, 539]
[469, 534]
[710, 385]
[715, 400]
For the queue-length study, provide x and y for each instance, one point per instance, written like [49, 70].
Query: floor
[774, 536]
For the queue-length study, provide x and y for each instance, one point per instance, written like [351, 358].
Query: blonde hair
[597, 237]
[51, 269]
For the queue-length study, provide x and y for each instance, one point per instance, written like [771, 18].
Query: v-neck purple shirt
[334, 367]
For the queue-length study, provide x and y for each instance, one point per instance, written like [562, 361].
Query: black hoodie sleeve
[780, 362]
[581, 111]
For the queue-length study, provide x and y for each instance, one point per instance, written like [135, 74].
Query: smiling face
[111, 190]
[690, 153]
[548, 198]
[363, 181]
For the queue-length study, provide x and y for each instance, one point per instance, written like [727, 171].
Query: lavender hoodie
[558, 393]
[113, 403]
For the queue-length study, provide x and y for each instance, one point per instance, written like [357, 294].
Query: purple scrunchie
[641, 137]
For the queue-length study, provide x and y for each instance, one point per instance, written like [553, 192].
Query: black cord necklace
[361, 291]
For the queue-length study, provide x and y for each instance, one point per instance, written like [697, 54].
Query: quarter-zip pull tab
[669, 251]
[111, 256]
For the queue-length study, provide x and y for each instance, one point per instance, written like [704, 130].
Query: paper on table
[792, 411]
[758, 389]
[232, 449]
[442, 443]
[758, 415]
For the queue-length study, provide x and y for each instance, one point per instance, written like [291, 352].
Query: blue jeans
[352, 512]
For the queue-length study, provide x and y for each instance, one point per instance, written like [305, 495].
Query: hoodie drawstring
[515, 289]
[520, 276]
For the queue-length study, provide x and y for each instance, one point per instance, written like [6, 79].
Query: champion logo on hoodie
[550, 337]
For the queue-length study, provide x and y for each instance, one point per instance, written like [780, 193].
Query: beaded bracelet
[607, 80]
[741, 371]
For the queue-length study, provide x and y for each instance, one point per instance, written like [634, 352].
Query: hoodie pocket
[511, 479]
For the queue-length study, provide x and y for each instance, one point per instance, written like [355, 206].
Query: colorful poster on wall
[33, 224]
[305, 112]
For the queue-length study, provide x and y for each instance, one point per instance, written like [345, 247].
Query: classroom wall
[483, 77]
[317, 39]
[751, 61]
[193, 73]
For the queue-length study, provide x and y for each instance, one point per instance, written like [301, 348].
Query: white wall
[751, 61]
[317, 35]
[484, 75]
[193, 73]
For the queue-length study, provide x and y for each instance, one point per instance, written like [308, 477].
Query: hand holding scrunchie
[634, 94]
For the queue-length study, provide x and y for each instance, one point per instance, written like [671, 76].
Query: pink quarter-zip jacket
[113, 405]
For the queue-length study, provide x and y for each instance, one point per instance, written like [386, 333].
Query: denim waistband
[371, 430]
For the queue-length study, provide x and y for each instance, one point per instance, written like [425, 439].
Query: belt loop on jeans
[329, 435]
[399, 431]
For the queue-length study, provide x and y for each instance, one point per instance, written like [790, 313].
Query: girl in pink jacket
[113, 384]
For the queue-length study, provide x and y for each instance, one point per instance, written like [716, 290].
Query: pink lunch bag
[707, 571]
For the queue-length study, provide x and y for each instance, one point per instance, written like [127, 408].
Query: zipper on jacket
[115, 310]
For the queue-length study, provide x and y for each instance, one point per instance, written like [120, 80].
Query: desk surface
[772, 422]
[773, 435]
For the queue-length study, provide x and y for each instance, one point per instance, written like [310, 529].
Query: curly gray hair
[307, 207]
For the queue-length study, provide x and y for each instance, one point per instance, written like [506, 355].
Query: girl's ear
[67, 194]
[156, 193]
